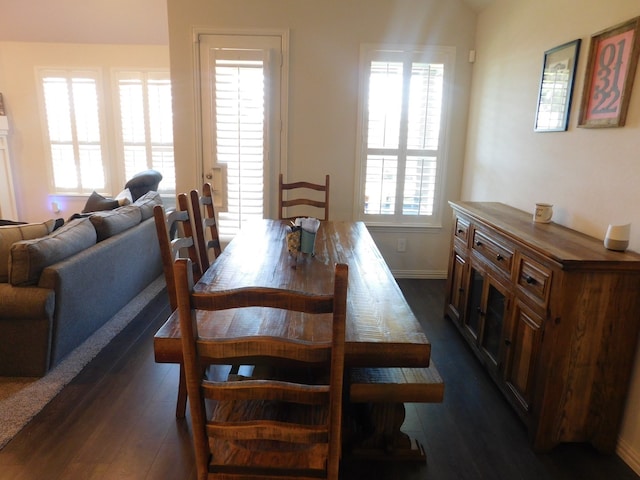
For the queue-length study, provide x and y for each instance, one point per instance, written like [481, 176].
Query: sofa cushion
[12, 234]
[115, 221]
[147, 202]
[29, 257]
[97, 203]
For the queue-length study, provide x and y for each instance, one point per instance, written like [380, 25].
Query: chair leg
[181, 404]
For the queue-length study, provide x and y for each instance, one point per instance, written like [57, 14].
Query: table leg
[374, 433]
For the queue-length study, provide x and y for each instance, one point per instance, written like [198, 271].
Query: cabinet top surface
[560, 243]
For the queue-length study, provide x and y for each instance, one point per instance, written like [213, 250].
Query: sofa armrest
[26, 302]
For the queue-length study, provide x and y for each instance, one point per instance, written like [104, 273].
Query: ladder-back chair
[264, 426]
[205, 225]
[175, 237]
[294, 198]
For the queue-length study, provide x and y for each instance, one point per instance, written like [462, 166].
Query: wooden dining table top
[382, 331]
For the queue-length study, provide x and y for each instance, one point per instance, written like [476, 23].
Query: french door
[242, 124]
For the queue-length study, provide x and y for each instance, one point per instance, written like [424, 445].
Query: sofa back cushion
[29, 257]
[146, 203]
[12, 234]
[112, 222]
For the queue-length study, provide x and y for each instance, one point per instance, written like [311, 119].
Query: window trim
[443, 54]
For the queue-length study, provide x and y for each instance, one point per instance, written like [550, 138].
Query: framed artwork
[556, 87]
[611, 68]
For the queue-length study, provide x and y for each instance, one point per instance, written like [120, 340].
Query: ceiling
[97, 21]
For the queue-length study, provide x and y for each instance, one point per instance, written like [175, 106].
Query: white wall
[590, 175]
[18, 63]
[325, 38]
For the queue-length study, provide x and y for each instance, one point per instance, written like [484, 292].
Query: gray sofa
[60, 287]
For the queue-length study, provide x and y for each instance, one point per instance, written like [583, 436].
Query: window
[402, 118]
[83, 159]
[240, 138]
[146, 125]
[241, 123]
[74, 130]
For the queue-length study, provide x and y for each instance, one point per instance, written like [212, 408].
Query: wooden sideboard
[552, 315]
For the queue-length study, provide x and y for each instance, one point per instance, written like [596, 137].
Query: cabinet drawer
[461, 230]
[534, 278]
[497, 253]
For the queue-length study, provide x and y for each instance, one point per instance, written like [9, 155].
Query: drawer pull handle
[478, 243]
[460, 231]
[530, 280]
[499, 257]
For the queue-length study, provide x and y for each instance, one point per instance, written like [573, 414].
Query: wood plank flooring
[116, 419]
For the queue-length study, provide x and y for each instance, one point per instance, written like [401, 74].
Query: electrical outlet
[402, 245]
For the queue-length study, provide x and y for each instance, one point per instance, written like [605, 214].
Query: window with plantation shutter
[402, 118]
[83, 158]
[146, 125]
[242, 123]
[239, 114]
[74, 130]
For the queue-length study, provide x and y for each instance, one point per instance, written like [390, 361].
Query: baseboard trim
[420, 274]
[628, 455]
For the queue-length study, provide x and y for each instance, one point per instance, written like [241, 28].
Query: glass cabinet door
[473, 318]
[494, 317]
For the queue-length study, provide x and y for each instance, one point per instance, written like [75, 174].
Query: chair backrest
[233, 433]
[297, 200]
[175, 236]
[205, 225]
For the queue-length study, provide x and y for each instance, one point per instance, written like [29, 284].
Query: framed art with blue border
[556, 87]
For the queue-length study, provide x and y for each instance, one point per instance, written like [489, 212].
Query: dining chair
[175, 237]
[272, 426]
[294, 189]
[205, 225]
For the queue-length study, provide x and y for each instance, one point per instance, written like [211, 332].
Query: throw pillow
[124, 197]
[12, 234]
[115, 221]
[97, 203]
[146, 203]
[29, 257]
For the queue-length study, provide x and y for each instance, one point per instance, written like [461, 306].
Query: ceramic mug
[543, 213]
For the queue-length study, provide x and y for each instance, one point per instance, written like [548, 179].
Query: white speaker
[617, 237]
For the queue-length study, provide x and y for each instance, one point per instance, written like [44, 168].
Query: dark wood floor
[116, 419]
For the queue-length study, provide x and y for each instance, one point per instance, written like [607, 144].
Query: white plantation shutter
[402, 149]
[243, 119]
[239, 134]
[147, 125]
[74, 132]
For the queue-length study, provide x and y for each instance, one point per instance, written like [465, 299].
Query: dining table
[382, 331]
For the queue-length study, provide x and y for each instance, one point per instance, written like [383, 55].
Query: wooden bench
[377, 397]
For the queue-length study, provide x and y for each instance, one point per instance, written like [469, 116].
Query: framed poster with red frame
[611, 69]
